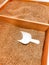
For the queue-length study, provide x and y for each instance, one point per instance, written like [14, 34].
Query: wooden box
[13, 52]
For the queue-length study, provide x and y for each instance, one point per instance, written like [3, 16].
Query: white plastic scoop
[27, 38]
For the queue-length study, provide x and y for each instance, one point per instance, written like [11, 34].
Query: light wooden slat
[24, 23]
[45, 53]
[37, 1]
[4, 4]
[1, 5]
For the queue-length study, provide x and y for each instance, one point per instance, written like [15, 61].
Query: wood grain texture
[14, 53]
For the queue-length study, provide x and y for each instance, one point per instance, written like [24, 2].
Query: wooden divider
[45, 50]
[25, 23]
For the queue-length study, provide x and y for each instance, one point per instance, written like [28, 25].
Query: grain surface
[27, 10]
[13, 52]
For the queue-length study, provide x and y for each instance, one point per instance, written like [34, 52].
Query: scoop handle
[35, 41]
